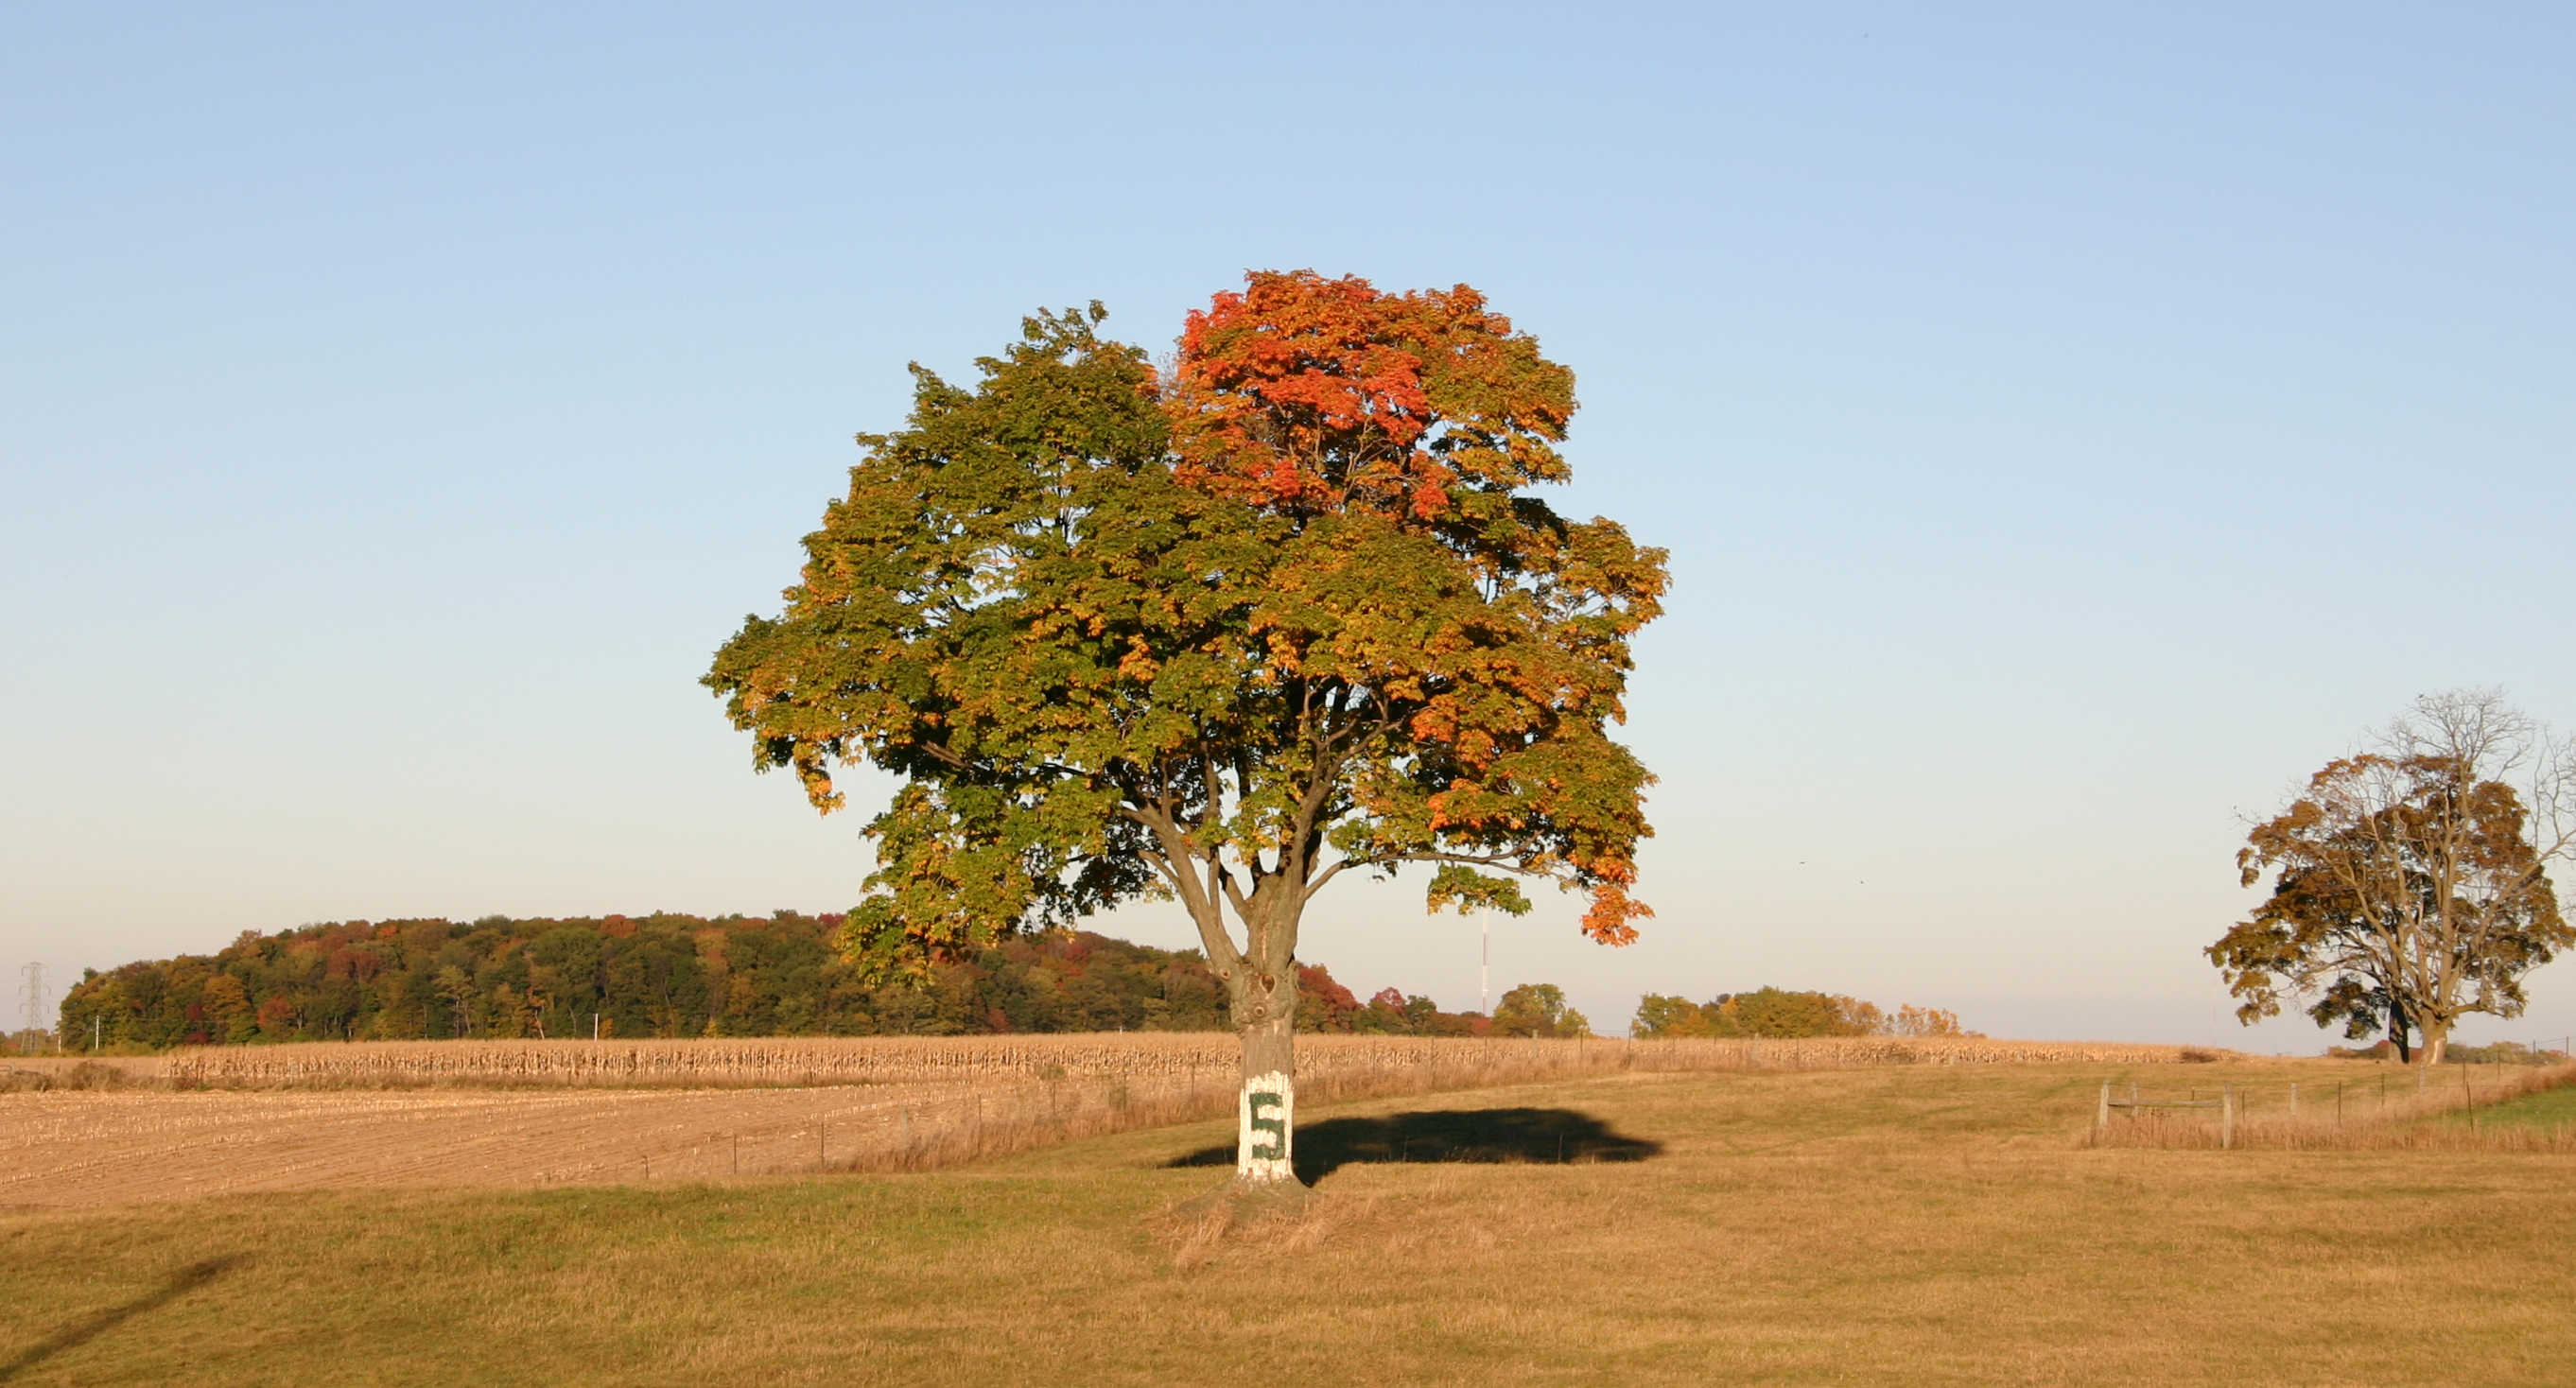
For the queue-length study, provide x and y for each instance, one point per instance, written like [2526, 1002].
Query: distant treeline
[2495, 1053]
[1777, 1012]
[668, 976]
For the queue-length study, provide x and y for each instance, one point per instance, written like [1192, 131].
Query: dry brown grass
[548, 1113]
[1925, 1225]
[2347, 1106]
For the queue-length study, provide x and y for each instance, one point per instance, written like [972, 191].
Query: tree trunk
[2437, 1039]
[1266, 1115]
[1264, 992]
[2397, 1033]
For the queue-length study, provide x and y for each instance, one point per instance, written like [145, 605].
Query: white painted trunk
[1265, 1118]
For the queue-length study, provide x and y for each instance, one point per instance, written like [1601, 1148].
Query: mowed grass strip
[1916, 1225]
[2550, 1110]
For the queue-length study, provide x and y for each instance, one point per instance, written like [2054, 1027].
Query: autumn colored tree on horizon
[2410, 880]
[1538, 1009]
[1218, 635]
[1780, 1012]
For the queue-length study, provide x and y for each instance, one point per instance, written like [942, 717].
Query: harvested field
[1940, 1226]
[90, 1149]
[529, 1114]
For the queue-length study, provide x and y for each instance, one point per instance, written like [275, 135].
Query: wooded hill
[667, 976]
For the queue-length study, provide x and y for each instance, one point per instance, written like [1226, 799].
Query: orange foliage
[1326, 394]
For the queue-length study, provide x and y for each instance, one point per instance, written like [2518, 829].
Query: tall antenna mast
[32, 992]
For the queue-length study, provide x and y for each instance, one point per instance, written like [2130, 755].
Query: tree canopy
[1220, 634]
[1780, 1012]
[665, 975]
[1538, 1009]
[2410, 884]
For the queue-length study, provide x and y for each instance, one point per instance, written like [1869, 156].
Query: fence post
[2294, 1099]
[2102, 1113]
[2227, 1116]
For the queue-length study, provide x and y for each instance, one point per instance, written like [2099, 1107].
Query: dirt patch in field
[91, 1148]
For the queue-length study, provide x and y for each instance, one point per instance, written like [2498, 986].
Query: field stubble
[1932, 1225]
[533, 1113]
[536, 1113]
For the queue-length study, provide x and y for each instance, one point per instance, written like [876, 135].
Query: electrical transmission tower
[32, 992]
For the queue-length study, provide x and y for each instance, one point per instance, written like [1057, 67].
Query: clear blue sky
[2071, 425]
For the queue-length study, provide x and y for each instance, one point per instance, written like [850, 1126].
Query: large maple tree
[1218, 634]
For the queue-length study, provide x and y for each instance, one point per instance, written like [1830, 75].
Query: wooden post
[2102, 1113]
[2227, 1116]
[2294, 1100]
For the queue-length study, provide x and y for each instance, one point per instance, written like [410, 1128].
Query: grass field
[239, 1119]
[1924, 1225]
[2552, 1111]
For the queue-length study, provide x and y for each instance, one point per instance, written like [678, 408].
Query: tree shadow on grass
[1456, 1135]
[180, 1283]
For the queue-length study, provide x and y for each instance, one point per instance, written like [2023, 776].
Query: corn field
[1328, 1065]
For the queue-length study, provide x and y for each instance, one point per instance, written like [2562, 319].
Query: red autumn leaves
[1326, 394]
[1422, 412]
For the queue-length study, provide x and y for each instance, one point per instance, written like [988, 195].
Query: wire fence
[2399, 1107]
